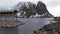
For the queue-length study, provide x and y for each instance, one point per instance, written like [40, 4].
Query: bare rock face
[42, 10]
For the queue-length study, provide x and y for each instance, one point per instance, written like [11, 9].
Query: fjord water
[30, 25]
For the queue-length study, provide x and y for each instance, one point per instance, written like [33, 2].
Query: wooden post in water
[58, 24]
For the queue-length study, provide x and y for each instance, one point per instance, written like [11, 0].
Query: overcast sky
[53, 6]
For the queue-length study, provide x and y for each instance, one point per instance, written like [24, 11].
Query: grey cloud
[5, 4]
[53, 3]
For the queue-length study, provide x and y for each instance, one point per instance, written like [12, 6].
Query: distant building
[8, 15]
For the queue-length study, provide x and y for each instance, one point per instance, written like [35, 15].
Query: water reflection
[13, 30]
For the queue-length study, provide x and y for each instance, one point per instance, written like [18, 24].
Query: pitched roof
[6, 10]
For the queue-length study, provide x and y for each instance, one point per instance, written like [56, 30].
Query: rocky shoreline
[48, 29]
[9, 24]
[52, 28]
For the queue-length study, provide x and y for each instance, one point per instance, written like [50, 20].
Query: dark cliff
[41, 9]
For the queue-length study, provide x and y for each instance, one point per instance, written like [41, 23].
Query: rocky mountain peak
[30, 9]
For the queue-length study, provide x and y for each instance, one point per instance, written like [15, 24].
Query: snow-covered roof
[6, 10]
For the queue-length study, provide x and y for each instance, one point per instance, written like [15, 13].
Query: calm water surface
[30, 25]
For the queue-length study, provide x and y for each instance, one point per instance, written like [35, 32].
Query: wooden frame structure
[8, 15]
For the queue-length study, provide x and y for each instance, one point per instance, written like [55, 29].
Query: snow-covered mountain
[21, 5]
[18, 6]
[27, 9]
